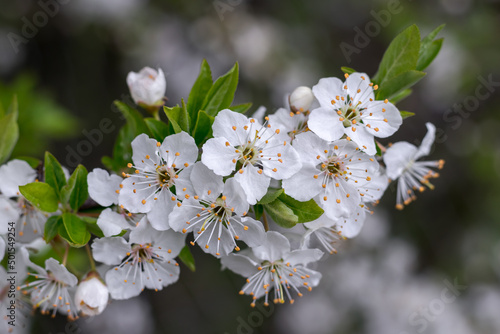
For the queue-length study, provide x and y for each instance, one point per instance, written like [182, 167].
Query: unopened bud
[301, 99]
[147, 87]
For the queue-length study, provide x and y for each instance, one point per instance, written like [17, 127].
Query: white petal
[206, 183]
[326, 90]
[110, 251]
[350, 227]
[323, 221]
[210, 237]
[221, 159]
[240, 264]
[288, 163]
[309, 146]
[235, 196]
[229, 124]
[374, 190]
[359, 82]
[275, 247]
[60, 273]
[2, 248]
[336, 203]
[143, 148]
[181, 214]
[303, 256]
[111, 223]
[254, 235]
[427, 142]
[9, 212]
[118, 288]
[303, 186]
[254, 184]
[13, 174]
[397, 157]
[326, 124]
[179, 149]
[382, 119]
[363, 139]
[168, 272]
[162, 207]
[102, 187]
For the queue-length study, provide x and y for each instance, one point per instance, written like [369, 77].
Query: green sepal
[187, 258]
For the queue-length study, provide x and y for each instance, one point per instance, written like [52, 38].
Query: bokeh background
[388, 280]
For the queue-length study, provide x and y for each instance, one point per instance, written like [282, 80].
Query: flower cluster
[315, 165]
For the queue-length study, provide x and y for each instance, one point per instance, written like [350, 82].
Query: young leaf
[178, 117]
[203, 127]
[51, 228]
[54, 174]
[74, 230]
[281, 213]
[270, 196]
[428, 55]
[400, 96]
[187, 258]
[347, 70]
[9, 131]
[221, 94]
[406, 114]
[401, 56]
[241, 108]
[41, 195]
[158, 129]
[305, 211]
[76, 191]
[199, 91]
[133, 118]
[92, 226]
[393, 86]
[258, 211]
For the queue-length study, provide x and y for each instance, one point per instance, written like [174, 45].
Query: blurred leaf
[76, 191]
[406, 114]
[92, 226]
[281, 214]
[187, 258]
[241, 108]
[221, 94]
[305, 211]
[41, 195]
[348, 70]
[379, 151]
[51, 227]
[398, 83]
[74, 230]
[429, 54]
[178, 117]
[158, 129]
[199, 91]
[203, 127]
[400, 96]
[54, 174]
[401, 56]
[258, 210]
[9, 131]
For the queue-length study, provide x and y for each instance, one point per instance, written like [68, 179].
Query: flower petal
[103, 186]
[13, 174]
[326, 124]
[253, 183]
[219, 157]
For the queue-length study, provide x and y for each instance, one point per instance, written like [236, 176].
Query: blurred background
[69, 67]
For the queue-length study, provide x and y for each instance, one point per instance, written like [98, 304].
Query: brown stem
[264, 218]
[91, 259]
[66, 252]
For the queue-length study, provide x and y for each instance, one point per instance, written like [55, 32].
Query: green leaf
[428, 55]
[400, 96]
[427, 40]
[406, 114]
[76, 191]
[305, 211]
[379, 151]
[133, 118]
[187, 258]
[9, 131]
[51, 227]
[281, 214]
[203, 127]
[393, 86]
[54, 174]
[199, 91]
[158, 129]
[401, 56]
[92, 226]
[178, 117]
[258, 210]
[241, 108]
[348, 70]
[41, 195]
[221, 94]
[270, 196]
[74, 230]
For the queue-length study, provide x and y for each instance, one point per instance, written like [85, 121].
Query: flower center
[165, 176]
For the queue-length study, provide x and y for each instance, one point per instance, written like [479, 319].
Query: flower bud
[147, 87]
[301, 99]
[91, 297]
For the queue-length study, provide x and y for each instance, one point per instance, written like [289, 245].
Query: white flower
[289, 122]
[350, 108]
[333, 173]
[145, 261]
[147, 87]
[12, 175]
[49, 290]
[322, 231]
[401, 163]
[273, 266]
[244, 145]
[158, 168]
[215, 214]
[301, 99]
[91, 297]
[104, 189]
